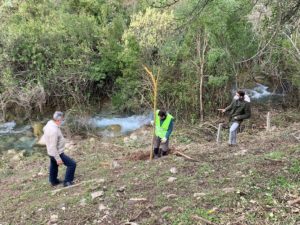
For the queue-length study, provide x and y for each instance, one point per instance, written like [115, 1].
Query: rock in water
[116, 128]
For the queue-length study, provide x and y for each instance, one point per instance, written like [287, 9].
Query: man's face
[240, 97]
[162, 117]
[61, 121]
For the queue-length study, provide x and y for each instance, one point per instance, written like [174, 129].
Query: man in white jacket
[246, 97]
[55, 144]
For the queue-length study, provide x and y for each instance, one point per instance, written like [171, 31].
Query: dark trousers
[53, 170]
[158, 145]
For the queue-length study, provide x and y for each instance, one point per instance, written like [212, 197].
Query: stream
[20, 137]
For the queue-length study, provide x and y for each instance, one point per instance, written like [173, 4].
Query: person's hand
[164, 140]
[222, 110]
[59, 162]
[152, 123]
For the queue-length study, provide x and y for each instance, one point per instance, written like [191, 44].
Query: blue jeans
[53, 170]
[232, 133]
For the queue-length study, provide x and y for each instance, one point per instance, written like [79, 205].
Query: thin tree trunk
[201, 45]
[154, 89]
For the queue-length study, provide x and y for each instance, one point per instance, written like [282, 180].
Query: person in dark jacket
[239, 109]
[163, 129]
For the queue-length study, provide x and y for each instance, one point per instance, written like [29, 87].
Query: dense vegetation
[79, 52]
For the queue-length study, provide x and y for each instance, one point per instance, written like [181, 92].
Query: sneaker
[56, 183]
[164, 153]
[69, 183]
[232, 145]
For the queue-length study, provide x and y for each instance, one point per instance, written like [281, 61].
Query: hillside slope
[254, 183]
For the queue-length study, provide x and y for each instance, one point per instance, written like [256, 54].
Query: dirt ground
[256, 182]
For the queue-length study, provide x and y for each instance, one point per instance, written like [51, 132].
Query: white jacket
[54, 139]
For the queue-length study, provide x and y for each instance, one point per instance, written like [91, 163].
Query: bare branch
[290, 14]
[293, 43]
[261, 51]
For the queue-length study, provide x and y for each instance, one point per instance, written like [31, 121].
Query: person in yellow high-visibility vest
[163, 129]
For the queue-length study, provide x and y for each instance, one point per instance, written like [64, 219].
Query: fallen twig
[138, 199]
[293, 202]
[185, 156]
[119, 146]
[273, 160]
[203, 220]
[208, 125]
[75, 185]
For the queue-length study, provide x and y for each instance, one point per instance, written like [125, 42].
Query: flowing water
[261, 93]
[116, 126]
[16, 137]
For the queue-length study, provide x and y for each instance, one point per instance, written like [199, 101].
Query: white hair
[58, 115]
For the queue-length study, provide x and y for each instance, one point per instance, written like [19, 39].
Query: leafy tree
[72, 52]
[213, 43]
[144, 41]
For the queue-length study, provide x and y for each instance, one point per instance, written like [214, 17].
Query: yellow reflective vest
[161, 129]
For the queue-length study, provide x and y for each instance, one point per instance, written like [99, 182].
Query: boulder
[37, 128]
[173, 170]
[53, 218]
[172, 179]
[97, 194]
[17, 157]
[133, 137]
[11, 152]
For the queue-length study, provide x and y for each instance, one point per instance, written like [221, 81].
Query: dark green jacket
[239, 109]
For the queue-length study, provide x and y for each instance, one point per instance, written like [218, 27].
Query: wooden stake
[154, 90]
[268, 122]
[219, 140]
